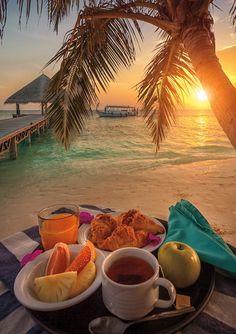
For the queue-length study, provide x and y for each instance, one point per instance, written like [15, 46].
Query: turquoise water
[115, 146]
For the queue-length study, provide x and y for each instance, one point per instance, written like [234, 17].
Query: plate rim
[20, 284]
[85, 227]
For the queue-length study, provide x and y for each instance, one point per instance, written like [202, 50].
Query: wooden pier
[15, 130]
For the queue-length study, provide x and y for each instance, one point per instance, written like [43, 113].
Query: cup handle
[171, 291]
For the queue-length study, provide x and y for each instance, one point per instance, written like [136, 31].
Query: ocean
[114, 146]
[114, 163]
[120, 145]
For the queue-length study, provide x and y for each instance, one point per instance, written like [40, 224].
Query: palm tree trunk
[221, 93]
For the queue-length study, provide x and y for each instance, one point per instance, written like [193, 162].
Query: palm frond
[168, 77]
[57, 10]
[92, 54]
[3, 16]
[23, 6]
[63, 113]
[27, 5]
[232, 13]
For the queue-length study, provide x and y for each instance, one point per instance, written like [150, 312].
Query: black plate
[75, 319]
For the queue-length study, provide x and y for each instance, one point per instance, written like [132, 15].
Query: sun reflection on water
[203, 130]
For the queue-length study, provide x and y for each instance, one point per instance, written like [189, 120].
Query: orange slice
[58, 260]
[80, 260]
[92, 249]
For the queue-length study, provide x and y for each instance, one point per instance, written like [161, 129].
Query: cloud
[228, 48]
[216, 18]
[233, 36]
[227, 58]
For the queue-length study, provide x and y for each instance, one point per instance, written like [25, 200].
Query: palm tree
[105, 37]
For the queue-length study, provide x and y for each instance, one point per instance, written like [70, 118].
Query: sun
[201, 95]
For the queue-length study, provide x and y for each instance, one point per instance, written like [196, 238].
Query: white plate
[84, 234]
[23, 286]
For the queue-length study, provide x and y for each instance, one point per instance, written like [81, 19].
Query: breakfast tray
[75, 319]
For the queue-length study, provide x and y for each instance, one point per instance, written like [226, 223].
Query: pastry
[123, 236]
[102, 227]
[129, 229]
[139, 221]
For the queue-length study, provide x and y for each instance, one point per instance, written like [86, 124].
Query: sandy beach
[210, 186]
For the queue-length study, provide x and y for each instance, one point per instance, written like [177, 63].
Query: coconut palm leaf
[57, 10]
[233, 13]
[3, 16]
[167, 79]
[91, 56]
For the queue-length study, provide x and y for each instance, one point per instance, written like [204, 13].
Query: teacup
[130, 283]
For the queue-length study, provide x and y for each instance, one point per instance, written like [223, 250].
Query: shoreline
[209, 185]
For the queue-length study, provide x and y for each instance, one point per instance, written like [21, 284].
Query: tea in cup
[58, 223]
[130, 283]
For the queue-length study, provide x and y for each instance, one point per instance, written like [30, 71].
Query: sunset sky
[25, 51]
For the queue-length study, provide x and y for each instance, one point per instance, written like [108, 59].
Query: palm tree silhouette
[105, 37]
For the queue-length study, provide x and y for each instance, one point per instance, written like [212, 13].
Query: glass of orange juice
[58, 223]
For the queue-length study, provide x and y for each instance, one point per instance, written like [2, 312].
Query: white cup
[131, 302]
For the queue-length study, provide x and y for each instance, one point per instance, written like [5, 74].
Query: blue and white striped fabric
[218, 317]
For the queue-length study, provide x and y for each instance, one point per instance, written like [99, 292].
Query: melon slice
[84, 279]
[55, 288]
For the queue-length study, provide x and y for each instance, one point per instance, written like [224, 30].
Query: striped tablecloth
[219, 317]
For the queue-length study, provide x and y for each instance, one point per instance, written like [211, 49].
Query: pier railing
[9, 142]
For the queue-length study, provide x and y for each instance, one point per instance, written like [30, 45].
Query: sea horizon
[196, 136]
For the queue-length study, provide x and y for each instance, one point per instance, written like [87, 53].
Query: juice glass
[58, 223]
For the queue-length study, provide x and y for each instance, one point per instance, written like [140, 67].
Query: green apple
[180, 263]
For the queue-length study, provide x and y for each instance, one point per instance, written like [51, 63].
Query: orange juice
[62, 227]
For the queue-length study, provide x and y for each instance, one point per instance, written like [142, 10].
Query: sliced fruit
[59, 259]
[84, 279]
[55, 288]
[80, 261]
[93, 250]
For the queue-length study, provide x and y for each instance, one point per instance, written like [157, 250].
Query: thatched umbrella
[34, 92]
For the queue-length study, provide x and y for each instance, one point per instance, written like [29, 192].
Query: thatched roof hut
[33, 92]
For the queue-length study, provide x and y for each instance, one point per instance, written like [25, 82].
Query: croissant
[139, 221]
[129, 229]
[141, 237]
[102, 227]
[123, 236]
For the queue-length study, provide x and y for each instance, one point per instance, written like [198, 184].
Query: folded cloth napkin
[186, 224]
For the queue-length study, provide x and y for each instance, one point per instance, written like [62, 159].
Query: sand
[210, 186]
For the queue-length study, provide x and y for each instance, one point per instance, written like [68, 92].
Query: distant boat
[117, 111]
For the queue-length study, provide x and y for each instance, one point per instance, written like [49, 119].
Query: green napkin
[187, 224]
